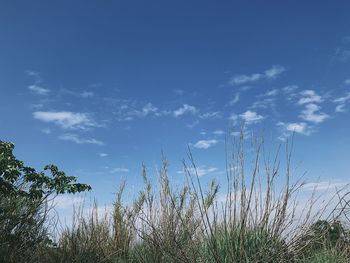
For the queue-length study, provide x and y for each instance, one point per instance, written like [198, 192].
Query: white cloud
[210, 115]
[342, 54]
[65, 119]
[347, 82]
[251, 117]
[218, 132]
[264, 104]
[185, 109]
[38, 90]
[309, 96]
[323, 185]
[205, 144]
[342, 101]
[148, 109]
[243, 79]
[271, 73]
[288, 129]
[120, 170]
[82, 94]
[235, 133]
[296, 127]
[193, 124]
[67, 201]
[274, 71]
[270, 93]
[103, 154]
[340, 108]
[290, 88]
[35, 75]
[235, 99]
[87, 94]
[310, 113]
[76, 139]
[201, 170]
[32, 73]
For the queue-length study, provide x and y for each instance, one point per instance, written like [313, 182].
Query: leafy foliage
[16, 179]
[24, 194]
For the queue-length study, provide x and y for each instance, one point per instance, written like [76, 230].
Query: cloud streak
[342, 101]
[271, 73]
[76, 139]
[185, 109]
[38, 90]
[65, 119]
[205, 144]
[200, 171]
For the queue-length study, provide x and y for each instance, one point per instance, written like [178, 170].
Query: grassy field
[260, 218]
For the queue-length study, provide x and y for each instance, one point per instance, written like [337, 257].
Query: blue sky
[100, 87]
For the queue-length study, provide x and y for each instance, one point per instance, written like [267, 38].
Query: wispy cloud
[148, 109]
[38, 90]
[65, 119]
[243, 79]
[342, 101]
[184, 110]
[342, 54]
[289, 128]
[210, 115]
[82, 94]
[274, 71]
[201, 170]
[46, 131]
[264, 103]
[218, 132]
[309, 96]
[67, 201]
[250, 117]
[271, 73]
[323, 185]
[192, 124]
[290, 92]
[34, 74]
[103, 155]
[235, 99]
[87, 94]
[76, 139]
[205, 144]
[120, 170]
[270, 93]
[290, 88]
[233, 119]
[311, 113]
[340, 108]
[128, 110]
[179, 92]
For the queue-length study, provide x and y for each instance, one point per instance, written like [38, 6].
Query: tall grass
[258, 219]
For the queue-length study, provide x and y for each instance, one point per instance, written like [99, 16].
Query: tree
[24, 195]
